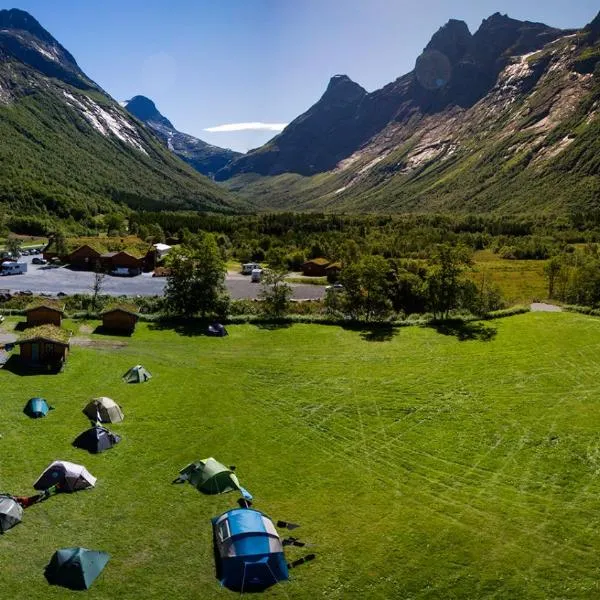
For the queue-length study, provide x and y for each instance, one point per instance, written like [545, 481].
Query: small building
[316, 267]
[122, 261]
[161, 250]
[247, 268]
[44, 346]
[333, 271]
[44, 313]
[120, 319]
[84, 257]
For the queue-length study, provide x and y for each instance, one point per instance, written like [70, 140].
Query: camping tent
[248, 550]
[136, 374]
[104, 410]
[36, 408]
[209, 476]
[216, 330]
[68, 476]
[96, 439]
[75, 568]
[11, 513]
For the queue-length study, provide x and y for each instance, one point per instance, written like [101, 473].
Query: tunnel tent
[103, 410]
[75, 568]
[137, 374]
[248, 550]
[68, 476]
[11, 512]
[37, 408]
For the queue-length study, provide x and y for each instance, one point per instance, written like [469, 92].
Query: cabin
[120, 319]
[316, 267]
[44, 313]
[122, 262]
[333, 271]
[84, 257]
[46, 346]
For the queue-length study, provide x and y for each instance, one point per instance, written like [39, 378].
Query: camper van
[13, 268]
[247, 268]
[255, 275]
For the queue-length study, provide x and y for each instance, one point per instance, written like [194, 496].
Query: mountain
[204, 157]
[67, 149]
[504, 119]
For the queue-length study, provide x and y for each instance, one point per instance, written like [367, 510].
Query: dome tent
[104, 410]
[248, 550]
[37, 408]
[211, 477]
[68, 476]
[75, 568]
[216, 330]
[11, 513]
[96, 439]
[136, 374]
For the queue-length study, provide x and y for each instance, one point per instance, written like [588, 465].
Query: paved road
[51, 280]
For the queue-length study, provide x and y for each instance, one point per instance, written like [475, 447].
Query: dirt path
[543, 307]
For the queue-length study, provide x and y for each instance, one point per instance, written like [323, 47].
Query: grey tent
[216, 330]
[103, 410]
[136, 374]
[96, 439]
[69, 476]
[11, 513]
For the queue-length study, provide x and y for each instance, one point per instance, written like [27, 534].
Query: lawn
[421, 466]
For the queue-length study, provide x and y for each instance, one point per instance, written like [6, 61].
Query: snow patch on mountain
[105, 121]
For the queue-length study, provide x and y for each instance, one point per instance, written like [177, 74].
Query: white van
[247, 268]
[255, 275]
[13, 268]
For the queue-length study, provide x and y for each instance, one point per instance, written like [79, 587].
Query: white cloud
[257, 126]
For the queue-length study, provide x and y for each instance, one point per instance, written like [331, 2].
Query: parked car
[36, 260]
[336, 287]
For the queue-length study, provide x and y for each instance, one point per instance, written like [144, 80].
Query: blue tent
[36, 408]
[248, 550]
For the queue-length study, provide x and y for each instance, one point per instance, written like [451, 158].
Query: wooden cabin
[316, 267]
[46, 346]
[84, 257]
[45, 313]
[112, 261]
[120, 319]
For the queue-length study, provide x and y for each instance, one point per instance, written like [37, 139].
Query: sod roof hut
[120, 318]
[44, 346]
[47, 312]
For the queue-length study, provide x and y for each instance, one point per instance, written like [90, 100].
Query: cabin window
[223, 530]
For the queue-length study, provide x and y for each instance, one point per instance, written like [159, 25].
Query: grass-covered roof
[124, 306]
[103, 245]
[45, 332]
[46, 303]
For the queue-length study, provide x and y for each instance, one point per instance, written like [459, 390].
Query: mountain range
[505, 119]
[68, 149]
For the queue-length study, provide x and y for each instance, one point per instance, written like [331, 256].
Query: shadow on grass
[273, 325]
[16, 366]
[464, 331]
[381, 332]
[189, 328]
[21, 326]
[101, 330]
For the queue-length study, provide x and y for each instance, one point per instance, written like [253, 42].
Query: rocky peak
[453, 40]
[145, 110]
[342, 88]
[24, 39]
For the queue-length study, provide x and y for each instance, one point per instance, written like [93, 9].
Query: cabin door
[35, 352]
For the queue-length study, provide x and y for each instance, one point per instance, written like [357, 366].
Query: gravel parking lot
[44, 279]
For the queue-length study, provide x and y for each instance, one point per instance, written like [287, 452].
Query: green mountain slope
[68, 149]
[530, 143]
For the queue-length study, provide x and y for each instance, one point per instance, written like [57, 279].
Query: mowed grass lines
[421, 467]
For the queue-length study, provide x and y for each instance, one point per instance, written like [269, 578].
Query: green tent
[136, 374]
[75, 568]
[209, 476]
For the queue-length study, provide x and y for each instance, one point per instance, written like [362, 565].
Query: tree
[60, 243]
[114, 224]
[445, 281]
[196, 282]
[13, 245]
[97, 286]
[551, 270]
[275, 293]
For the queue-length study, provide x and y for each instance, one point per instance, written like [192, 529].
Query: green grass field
[420, 465]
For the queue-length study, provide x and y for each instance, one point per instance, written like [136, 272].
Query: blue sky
[212, 62]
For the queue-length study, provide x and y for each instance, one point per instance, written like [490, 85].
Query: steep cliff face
[68, 149]
[456, 69]
[506, 119]
[205, 158]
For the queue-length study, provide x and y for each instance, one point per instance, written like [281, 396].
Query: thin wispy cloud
[256, 126]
